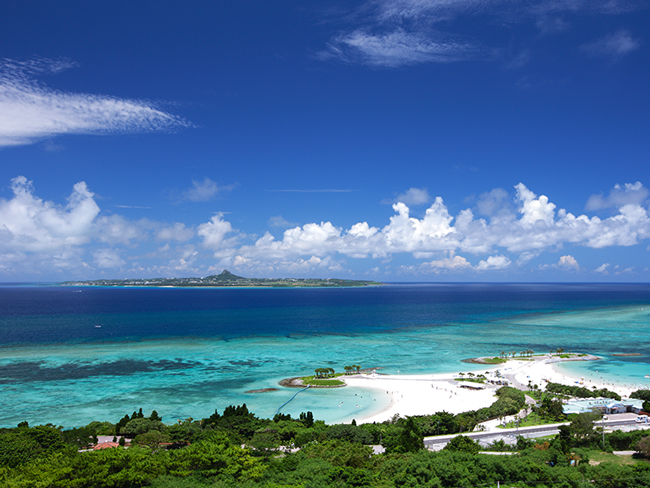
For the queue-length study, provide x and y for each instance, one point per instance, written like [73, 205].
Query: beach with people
[424, 394]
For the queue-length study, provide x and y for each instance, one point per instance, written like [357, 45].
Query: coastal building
[604, 405]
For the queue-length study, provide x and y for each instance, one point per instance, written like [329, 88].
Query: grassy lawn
[473, 380]
[532, 419]
[607, 457]
[494, 360]
[312, 380]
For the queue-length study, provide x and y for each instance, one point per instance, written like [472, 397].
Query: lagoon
[73, 355]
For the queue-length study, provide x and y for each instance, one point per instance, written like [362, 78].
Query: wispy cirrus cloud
[612, 45]
[31, 111]
[398, 48]
[394, 33]
[323, 190]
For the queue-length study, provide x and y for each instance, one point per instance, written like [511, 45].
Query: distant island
[226, 278]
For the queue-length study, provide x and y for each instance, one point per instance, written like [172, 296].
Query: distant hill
[225, 275]
[226, 278]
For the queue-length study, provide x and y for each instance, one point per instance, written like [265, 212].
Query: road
[615, 422]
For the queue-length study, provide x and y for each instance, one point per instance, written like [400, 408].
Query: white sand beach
[427, 394]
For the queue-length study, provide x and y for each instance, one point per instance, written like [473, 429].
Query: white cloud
[628, 194]
[452, 263]
[612, 45]
[115, 229]
[39, 235]
[568, 262]
[30, 111]
[602, 268]
[203, 191]
[398, 48]
[280, 221]
[27, 223]
[108, 258]
[214, 233]
[177, 232]
[494, 203]
[493, 263]
[539, 227]
[394, 33]
[534, 210]
[414, 196]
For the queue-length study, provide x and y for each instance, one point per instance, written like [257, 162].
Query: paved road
[438, 442]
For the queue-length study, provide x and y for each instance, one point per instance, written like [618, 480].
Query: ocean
[71, 355]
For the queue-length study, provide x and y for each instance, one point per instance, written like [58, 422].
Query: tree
[307, 419]
[643, 446]
[407, 438]
[582, 428]
[462, 443]
[140, 426]
[265, 442]
[643, 395]
[151, 439]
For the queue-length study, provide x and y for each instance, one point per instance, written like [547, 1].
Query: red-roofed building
[105, 445]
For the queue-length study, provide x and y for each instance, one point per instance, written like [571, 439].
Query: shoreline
[426, 394]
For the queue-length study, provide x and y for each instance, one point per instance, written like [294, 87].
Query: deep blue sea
[72, 355]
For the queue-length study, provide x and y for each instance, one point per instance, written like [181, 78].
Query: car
[642, 419]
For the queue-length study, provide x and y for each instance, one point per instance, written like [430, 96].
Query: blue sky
[398, 140]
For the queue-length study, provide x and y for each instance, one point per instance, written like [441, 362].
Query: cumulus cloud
[568, 262]
[612, 45]
[450, 263]
[30, 110]
[33, 231]
[494, 203]
[537, 226]
[627, 194]
[493, 263]
[414, 196]
[203, 191]
[28, 223]
[214, 233]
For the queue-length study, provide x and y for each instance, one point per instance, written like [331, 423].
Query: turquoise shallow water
[188, 358]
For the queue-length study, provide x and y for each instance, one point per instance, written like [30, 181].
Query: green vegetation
[473, 380]
[581, 391]
[311, 381]
[494, 360]
[237, 449]
[643, 395]
[226, 278]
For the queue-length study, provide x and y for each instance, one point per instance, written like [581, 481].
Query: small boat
[97, 326]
